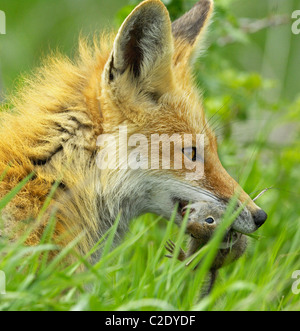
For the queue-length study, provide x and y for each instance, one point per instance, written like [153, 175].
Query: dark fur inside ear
[111, 67]
[189, 26]
[133, 53]
[143, 40]
[139, 68]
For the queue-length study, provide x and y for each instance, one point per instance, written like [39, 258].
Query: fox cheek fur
[141, 78]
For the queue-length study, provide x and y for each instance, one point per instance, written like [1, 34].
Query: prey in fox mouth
[202, 222]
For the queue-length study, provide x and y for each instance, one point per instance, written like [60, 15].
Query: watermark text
[2, 283]
[296, 284]
[296, 24]
[2, 22]
[182, 152]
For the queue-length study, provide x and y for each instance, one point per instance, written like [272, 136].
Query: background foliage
[250, 81]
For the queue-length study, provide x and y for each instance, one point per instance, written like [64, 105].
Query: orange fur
[55, 119]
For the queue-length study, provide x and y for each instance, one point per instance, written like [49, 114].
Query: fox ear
[143, 49]
[188, 31]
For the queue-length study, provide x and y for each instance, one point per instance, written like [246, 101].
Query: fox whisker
[262, 193]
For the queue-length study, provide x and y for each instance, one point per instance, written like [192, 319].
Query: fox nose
[259, 218]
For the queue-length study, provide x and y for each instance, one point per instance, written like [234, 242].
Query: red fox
[140, 78]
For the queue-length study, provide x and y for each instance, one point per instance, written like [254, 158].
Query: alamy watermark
[296, 24]
[2, 22]
[182, 152]
[2, 282]
[296, 284]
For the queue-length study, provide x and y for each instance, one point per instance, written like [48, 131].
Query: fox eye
[191, 153]
[210, 220]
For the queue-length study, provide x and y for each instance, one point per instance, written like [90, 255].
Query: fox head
[147, 86]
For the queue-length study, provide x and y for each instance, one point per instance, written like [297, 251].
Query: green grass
[136, 275]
